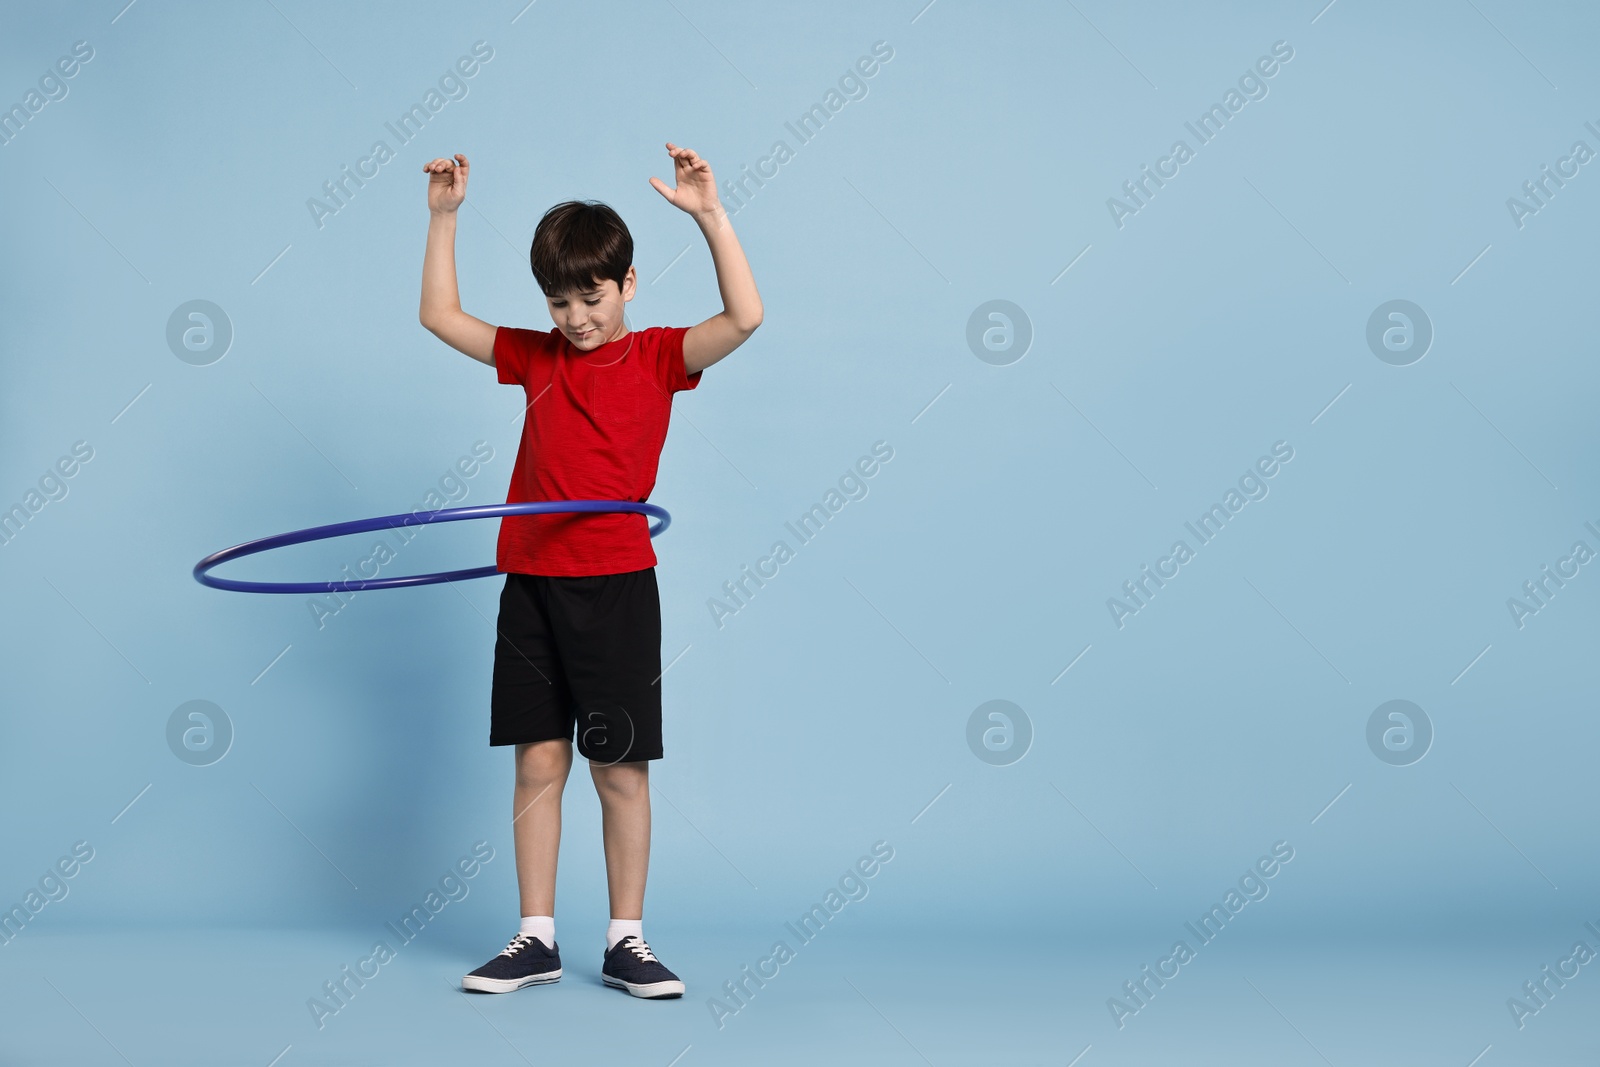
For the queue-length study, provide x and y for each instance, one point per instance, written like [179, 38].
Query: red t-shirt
[592, 429]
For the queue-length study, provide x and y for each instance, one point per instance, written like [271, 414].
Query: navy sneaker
[630, 965]
[524, 962]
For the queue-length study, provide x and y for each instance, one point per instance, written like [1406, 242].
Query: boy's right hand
[447, 183]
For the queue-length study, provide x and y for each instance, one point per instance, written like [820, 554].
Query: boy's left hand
[697, 189]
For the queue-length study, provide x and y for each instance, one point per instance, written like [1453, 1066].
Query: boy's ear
[629, 283]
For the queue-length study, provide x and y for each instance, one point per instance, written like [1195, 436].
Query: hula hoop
[390, 522]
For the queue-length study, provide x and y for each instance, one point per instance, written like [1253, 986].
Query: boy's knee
[543, 762]
[623, 781]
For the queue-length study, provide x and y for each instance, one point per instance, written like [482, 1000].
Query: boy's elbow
[432, 321]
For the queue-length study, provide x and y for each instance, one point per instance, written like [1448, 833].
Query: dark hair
[578, 243]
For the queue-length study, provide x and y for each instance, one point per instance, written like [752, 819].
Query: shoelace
[640, 949]
[518, 943]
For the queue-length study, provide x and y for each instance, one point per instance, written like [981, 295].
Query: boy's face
[593, 316]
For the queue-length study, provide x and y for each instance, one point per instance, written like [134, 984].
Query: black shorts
[580, 655]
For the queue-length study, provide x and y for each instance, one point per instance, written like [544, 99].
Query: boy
[579, 632]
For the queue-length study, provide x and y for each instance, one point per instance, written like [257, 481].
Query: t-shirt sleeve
[514, 351]
[668, 356]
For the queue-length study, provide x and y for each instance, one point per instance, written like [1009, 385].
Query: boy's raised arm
[696, 193]
[441, 310]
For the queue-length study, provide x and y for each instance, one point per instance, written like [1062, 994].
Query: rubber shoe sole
[648, 990]
[508, 985]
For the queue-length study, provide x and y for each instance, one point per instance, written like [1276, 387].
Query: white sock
[621, 928]
[541, 926]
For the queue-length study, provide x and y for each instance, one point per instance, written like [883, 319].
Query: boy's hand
[447, 186]
[697, 189]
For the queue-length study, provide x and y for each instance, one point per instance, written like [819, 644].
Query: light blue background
[827, 715]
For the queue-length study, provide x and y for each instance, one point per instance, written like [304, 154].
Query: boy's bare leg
[624, 790]
[536, 821]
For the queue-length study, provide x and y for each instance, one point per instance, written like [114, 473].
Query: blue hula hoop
[390, 522]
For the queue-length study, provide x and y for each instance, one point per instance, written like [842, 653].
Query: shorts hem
[628, 759]
[497, 742]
